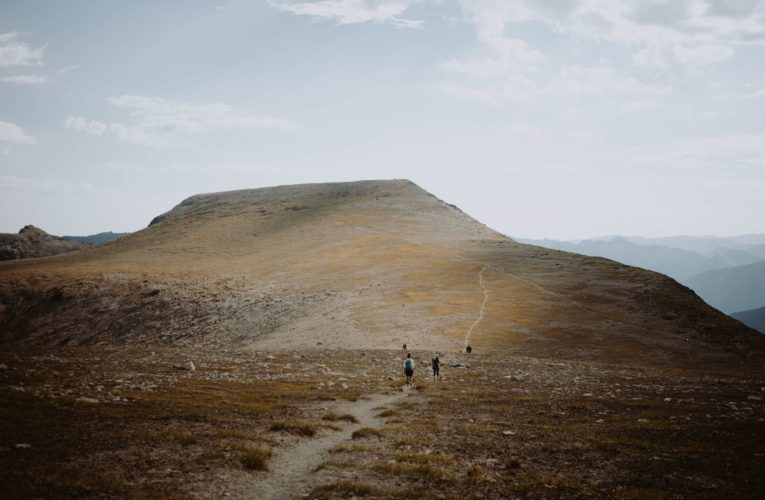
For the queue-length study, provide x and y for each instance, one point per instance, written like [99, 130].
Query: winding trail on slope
[291, 472]
[483, 304]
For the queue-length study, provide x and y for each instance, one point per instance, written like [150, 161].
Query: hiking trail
[483, 304]
[291, 471]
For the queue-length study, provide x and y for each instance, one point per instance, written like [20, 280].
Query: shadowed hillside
[371, 264]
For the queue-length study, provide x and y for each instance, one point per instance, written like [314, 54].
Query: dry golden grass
[366, 432]
[254, 458]
[334, 417]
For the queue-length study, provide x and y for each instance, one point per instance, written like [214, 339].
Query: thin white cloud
[511, 89]
[163, 123]
[67, 69]
[600, 80]
[14, 134]
[756, 94]
[724, 154]
[24, 80]
[82, 124]
[640, 105]
[575, 81]
[354, 11]
[44, 186]
[14, 52]
[688, 32]
[704, 54]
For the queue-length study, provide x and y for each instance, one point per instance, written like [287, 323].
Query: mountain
[33, 242]
[754, 318]
[371, 264]
[704, 245]
[678, 264]
[96, 239]
[732, 289]
[676, 261]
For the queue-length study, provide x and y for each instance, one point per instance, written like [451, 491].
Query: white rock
[667, 400]
[189, 366]
[84, 399]
[754, 398]
[508, 433]
[22, 446]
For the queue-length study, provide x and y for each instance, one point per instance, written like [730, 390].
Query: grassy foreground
[128, 423]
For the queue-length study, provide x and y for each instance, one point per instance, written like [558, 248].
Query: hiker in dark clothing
[436, 363]
[409, 369]
[469, 349]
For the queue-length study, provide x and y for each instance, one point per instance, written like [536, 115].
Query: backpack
[408, 363]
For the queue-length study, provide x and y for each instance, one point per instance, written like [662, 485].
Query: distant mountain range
[732, 289]
[95, 239]
[728, 273]
[754, 318]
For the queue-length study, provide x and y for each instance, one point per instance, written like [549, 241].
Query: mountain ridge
[370, 264]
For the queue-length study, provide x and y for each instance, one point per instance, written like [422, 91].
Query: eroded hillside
[371, 264]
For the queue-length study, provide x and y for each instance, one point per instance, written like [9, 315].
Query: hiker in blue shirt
[409, 368]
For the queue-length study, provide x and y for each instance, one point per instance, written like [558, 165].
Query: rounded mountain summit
[357, 265]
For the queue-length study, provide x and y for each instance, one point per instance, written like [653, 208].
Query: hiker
[405, 347]
[409, 368]
[436, 363]
[469, 349]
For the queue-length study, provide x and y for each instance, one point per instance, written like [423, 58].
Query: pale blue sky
[541, 119]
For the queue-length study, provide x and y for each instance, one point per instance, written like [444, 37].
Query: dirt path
[483, 304]
[291, 471]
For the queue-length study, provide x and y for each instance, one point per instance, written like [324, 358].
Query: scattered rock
[460, 365]
[599, 421]
[667, 400]
[508, 433]
[513, 463]
[3, 366]
[517, 377]
[754, 398]
[189, 365]
[84, 399]
[22, 446]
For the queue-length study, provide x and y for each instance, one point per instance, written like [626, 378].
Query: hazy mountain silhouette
[754, 318]
[679, 262]
[96, 239]
[732, 289]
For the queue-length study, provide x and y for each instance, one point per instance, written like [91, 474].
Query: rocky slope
[371, 264]
[33, 242]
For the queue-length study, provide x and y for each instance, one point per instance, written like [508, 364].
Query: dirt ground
[130, 423]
